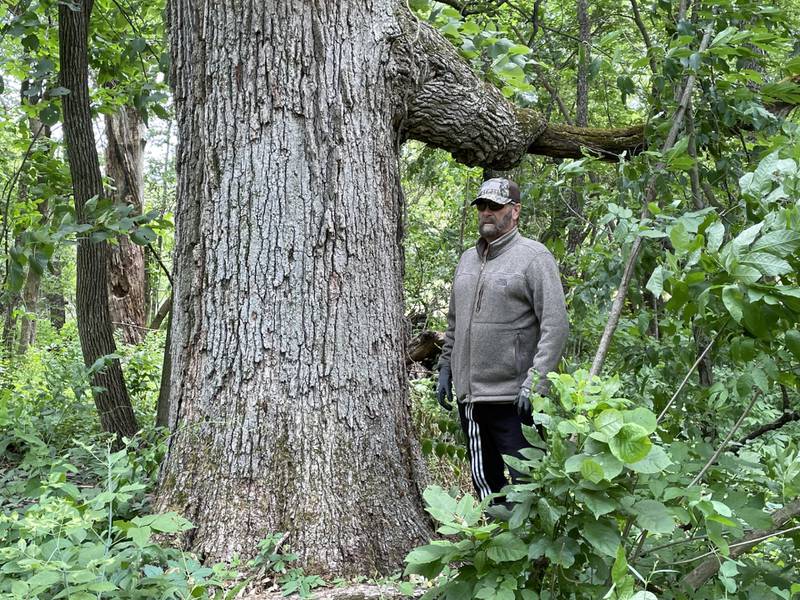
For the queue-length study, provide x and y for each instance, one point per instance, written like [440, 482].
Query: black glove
[523, 402]
[444, 389]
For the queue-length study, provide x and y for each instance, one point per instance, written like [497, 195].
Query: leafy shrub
[599, 485]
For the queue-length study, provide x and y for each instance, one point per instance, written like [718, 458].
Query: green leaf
[434, 552]
[139, 535]
[440, 504]
[768, 264]
[597, 502]
[548, 514]
[792, 340]
[592, 471]
[57, 91]
[609, 422]
[563, 551]
[506, 547]
[780, 243]
[653, 516]
[655, 462]
[723, 36]
[746, 237]
[610, 464]
[631, 443]
[602, 535]
[733, 299]
[714, 236]
[679, 236]
[641, 416]
[656, 282]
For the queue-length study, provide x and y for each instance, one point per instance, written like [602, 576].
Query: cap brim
[494, 199]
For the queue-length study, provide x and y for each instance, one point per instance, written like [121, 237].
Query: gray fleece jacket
[507, 320]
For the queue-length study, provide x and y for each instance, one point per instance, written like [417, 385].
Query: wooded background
[228, 246]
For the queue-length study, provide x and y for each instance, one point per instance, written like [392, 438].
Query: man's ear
[515, 210]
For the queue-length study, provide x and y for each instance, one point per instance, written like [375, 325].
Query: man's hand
[523, 402]
[444, 389]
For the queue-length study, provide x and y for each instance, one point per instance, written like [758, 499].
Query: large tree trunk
[94, 321]
[126, 273]
[288, 404]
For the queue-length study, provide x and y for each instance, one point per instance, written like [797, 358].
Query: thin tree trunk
[94, 321]
[9, 322]
[56, 303]
[126, 281]
[162, 408]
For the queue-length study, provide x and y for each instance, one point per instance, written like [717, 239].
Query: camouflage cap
[499, 190]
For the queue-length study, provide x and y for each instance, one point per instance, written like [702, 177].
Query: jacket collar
[497, 247]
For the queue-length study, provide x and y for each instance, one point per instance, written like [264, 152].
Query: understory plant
[609, 510]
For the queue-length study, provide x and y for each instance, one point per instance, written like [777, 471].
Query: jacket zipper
[475, 307]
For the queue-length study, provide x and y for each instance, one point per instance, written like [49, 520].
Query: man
[507, 328]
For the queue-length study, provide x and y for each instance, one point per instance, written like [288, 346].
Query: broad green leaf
[792, 340]
[655, 462]
[548, 514]
[562, 551]
[631, 443]
[644, 595]
[679, 236]
[653, 516]
[641, 416]
[441, 505]
[609, 422]
[506, 547]
[611, 465]
[139, 535]
[780, 243]
[597, 502]
[431, 553]
[592, 471]
[723, 36]
[656, 282]
[746, 237]
[714, 236]
[602, 535]
[766, 263]
[733, 300]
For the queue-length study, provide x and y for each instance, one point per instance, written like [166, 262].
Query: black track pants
[492, 430]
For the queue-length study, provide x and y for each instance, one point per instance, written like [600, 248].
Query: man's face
[495, 220]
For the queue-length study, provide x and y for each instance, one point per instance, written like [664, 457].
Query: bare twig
[637, 18]
[700, 358]
[724, 443]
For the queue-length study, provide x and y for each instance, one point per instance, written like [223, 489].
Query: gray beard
[497, 229]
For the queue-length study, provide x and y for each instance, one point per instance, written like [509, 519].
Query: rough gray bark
[91, 299]
[126, 273]
[288, 389]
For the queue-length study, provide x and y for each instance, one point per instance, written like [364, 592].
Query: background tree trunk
[126, 273]
[56, 303]
[94, 321]
[288, 403]
[30, 292]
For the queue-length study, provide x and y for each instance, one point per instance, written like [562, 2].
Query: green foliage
[599, 482]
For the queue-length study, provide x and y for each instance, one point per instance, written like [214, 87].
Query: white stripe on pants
[476, 455]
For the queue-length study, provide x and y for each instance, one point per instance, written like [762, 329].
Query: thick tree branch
[474, 8]
[709, 568]
[449, 106]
